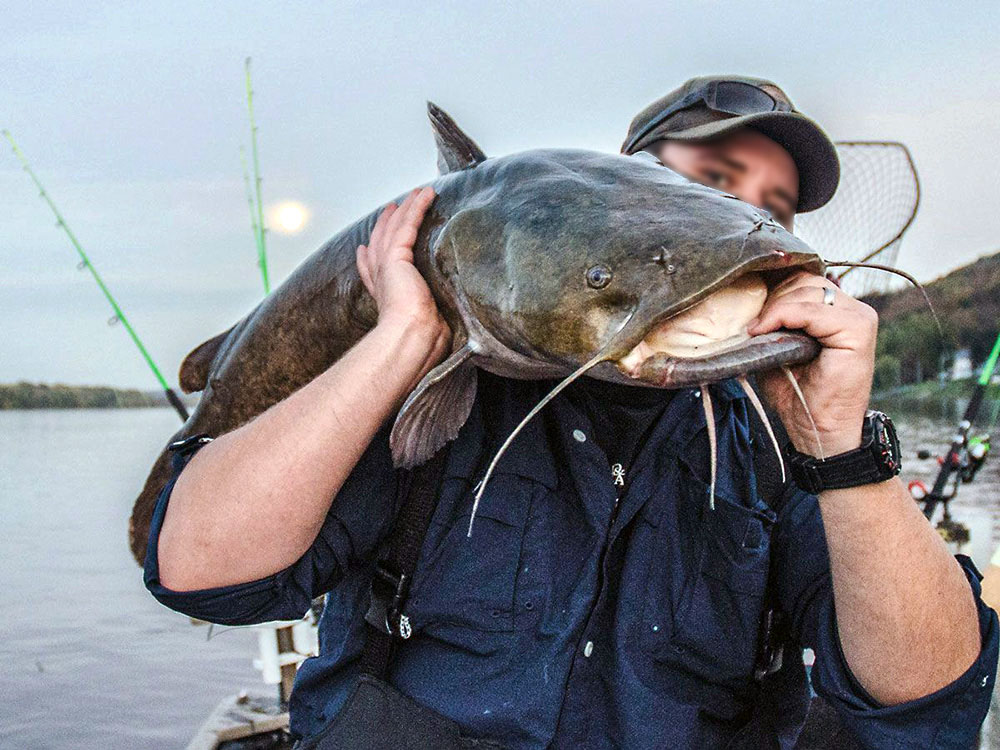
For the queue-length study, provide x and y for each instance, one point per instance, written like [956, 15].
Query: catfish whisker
[805, 406]
[759, 408]
[706, 404]
[593, 361]
[890, 269]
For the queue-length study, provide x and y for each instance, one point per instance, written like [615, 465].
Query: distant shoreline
[932, 389]
[25, 395]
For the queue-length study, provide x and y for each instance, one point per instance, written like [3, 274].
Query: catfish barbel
[548, 263]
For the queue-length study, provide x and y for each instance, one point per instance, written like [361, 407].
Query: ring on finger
[829, 294]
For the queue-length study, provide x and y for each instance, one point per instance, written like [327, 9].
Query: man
[599, 602]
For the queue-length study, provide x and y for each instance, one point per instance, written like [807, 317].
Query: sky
[133, 117]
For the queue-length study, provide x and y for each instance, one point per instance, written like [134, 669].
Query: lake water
[90, 660]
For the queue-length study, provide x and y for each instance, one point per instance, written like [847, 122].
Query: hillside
[967, 300]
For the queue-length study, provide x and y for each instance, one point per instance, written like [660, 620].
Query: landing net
[875, 204]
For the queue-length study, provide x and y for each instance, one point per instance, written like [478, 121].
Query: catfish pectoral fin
[435, 411]
[193, 375]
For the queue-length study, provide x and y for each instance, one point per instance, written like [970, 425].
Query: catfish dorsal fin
[455, 149]
[194, 370]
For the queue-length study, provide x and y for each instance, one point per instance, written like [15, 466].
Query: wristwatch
[875, 460]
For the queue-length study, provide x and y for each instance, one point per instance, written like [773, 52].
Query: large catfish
[545, 263]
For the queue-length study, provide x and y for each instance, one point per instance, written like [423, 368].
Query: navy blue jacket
[577, 616]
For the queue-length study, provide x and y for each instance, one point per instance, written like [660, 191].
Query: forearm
[905, 614]
[252, 501]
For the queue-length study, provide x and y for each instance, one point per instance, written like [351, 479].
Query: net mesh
[866, 219]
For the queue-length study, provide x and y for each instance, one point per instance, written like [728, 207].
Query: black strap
[386, 621]
[767, 468]
[773, 633]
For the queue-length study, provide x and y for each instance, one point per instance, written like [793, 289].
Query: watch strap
[837, 472]
[875, 460]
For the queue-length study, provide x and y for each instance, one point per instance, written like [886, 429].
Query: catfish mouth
[708, 341]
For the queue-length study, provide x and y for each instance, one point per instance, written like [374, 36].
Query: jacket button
[588, 649]
[579, 436]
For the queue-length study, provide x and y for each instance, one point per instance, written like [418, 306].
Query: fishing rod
[952, 462]
[259, 228]
[253, 210]
[119, 316]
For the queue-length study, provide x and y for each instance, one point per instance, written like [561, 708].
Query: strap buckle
[772, 650]
[388, 595]
[189, 444]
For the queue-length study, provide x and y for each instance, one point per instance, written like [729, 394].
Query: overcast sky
[133, 117]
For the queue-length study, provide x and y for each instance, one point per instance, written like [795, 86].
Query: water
[91, 660]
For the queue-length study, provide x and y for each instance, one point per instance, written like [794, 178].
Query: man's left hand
[836, 384]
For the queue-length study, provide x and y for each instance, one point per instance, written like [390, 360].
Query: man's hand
[837, 384]
[386, 268]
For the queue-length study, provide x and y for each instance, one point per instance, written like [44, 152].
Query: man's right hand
[386, 268]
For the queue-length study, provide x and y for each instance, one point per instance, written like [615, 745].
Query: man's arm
[905, 614]
[251, 502]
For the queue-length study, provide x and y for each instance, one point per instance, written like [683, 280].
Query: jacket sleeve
[358, 519]
[947, 718]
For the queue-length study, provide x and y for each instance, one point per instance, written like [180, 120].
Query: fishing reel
[952, 531]
[966, 464]
[975, 457]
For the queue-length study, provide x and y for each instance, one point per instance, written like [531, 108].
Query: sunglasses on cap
[729, 97]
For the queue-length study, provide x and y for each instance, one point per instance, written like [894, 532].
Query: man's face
[745, 163]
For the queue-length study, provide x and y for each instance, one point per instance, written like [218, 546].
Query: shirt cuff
[947, 718]
[250, 603]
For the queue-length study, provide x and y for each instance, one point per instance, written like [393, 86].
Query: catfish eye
[598, 277]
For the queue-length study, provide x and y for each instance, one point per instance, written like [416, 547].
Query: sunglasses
[728, 97]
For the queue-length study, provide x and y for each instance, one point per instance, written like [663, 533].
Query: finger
[800, 280]
[809, 293]
[378, 231]
[366, 279]
[359, 256]
[421, 201]
[394, 221]
[409, 226]
[843, 328]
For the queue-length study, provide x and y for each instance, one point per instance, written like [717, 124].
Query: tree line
[25, 395]
[911, 349]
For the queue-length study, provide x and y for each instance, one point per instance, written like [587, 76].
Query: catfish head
[556, 262]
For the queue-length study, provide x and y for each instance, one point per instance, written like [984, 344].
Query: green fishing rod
[85, 263]
[259, 229]
[952, 461]
[253, 209]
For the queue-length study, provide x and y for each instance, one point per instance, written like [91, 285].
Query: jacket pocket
[465, 581]
[707, 621]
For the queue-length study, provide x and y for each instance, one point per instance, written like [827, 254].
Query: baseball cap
[710, 106]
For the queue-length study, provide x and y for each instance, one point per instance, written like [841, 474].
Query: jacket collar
[501, 403]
